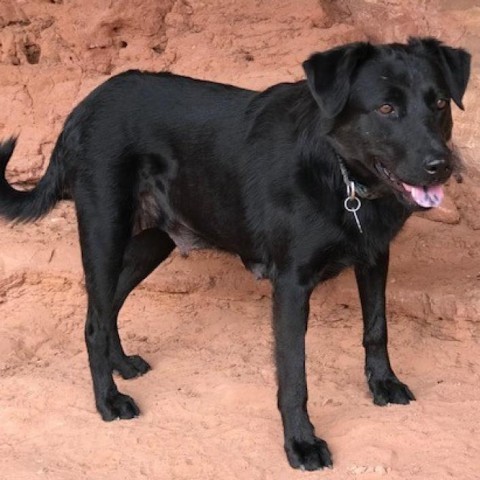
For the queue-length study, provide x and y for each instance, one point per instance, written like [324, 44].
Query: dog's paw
[308, 455]
[118, 406]
[131, 367]
[390, 390]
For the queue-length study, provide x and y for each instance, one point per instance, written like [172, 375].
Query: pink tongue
[425, 196]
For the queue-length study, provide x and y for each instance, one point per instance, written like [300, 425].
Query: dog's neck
[363, 191]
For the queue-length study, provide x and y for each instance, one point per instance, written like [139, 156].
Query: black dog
[301, 181]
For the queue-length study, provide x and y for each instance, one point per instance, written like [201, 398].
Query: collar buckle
[352, 202]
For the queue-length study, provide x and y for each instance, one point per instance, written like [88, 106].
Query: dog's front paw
[131, 367]
[390, 390]
[312, 455]
[118, 405]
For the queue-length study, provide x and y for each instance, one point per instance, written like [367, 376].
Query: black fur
[154, 160]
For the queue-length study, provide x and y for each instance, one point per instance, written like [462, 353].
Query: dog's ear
[329, 75]
[454, 63]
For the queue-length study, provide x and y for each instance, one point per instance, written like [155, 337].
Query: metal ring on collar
[352, 207]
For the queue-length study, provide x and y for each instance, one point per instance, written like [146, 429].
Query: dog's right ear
[454, 63]
[329, 75]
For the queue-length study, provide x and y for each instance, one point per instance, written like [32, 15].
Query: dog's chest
[328, 263]
[345, 245]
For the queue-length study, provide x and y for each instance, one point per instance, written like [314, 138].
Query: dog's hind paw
[390, 390]
[118, 406]
[308, 455]
[131, 367]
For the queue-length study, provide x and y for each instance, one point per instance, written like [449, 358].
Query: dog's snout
[438, 166]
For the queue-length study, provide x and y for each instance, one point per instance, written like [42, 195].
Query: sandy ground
[203, 323]
[208, 405]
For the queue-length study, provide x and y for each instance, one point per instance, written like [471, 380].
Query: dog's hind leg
[104, 203]
[143, 254]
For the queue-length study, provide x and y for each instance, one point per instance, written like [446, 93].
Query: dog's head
[387, 109]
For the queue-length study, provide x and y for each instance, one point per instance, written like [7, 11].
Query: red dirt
[208, 405]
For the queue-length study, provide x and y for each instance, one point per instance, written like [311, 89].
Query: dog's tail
[25, 206]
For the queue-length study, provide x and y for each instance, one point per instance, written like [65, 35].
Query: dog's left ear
[329, 75]
[454, 63]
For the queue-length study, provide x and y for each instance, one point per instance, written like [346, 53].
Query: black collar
[361, 190]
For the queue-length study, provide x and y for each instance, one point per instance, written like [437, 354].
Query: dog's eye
[386, 109]
[442, 103]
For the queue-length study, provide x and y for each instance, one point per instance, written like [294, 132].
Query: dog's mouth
[425, 196]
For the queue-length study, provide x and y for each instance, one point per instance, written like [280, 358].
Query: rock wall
[53, 52]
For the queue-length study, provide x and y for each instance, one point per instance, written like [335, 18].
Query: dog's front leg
[290, 316]
[383, 383]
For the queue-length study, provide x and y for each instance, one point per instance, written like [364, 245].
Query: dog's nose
[437, 166]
